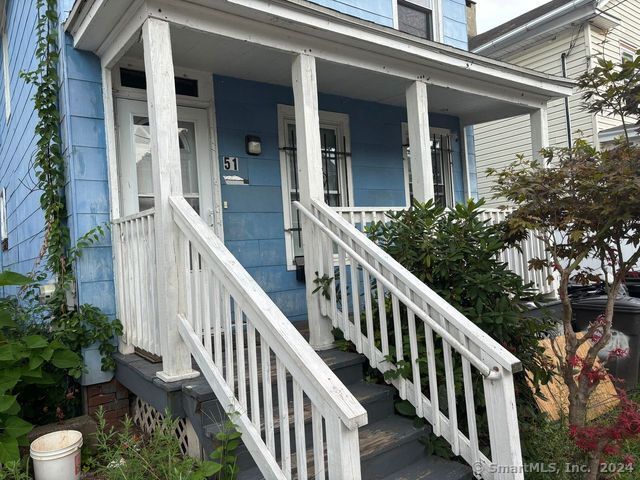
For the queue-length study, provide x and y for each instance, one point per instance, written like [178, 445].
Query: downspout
[567, 111]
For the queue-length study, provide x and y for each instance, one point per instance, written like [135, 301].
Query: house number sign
[231, 163]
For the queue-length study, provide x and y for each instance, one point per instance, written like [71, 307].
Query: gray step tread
[365, 393]
[391, 432]
[433, 468]
[335, 359]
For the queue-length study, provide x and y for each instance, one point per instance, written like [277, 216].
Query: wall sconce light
[253, 145]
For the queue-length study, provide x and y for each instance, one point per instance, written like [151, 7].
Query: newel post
[167, 181]
[420, 141]
[305, 94]
[539, 131]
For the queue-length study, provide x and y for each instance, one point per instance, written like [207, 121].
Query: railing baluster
[382, 314]
[318, 444]
[355, 299]
[415, 367]
[196, 309]
[217, 323]
[433, 379]
[371, 334]
[253, 375]
[397, 334]
[206, 307]
[241, 368]
[452, 412]
[470, 404]
[283, 414]
[228, 337]
[344, 299]
[298, 419]
[267, 396]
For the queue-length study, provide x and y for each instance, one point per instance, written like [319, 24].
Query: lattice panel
[148, 419]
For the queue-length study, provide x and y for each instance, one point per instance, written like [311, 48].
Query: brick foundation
[112, 397]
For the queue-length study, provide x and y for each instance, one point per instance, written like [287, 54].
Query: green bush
[30, 363]
[456, 253]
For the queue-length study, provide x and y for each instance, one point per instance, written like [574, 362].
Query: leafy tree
[584, 204]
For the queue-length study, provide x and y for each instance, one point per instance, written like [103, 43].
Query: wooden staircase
[389, 444]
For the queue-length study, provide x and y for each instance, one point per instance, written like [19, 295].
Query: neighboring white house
[561, 37]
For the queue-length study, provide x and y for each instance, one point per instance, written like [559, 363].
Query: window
[336, 170]
[137, 79]
[442, 164]
[627, 53]
[4, 229]
[6, 71]
[415, 18]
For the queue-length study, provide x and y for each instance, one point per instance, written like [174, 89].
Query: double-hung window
[416, 18]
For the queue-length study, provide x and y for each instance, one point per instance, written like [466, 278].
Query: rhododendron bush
[585, 204]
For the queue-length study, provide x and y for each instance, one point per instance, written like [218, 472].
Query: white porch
[202, 303]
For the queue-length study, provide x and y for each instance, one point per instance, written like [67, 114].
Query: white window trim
[436, 15]
[626, 49]
[6, 70]
[286, 115]
[4, 230]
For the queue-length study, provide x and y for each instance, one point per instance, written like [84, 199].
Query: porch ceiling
[255, 39]
[229, 57]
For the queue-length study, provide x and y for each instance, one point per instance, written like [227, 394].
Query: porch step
[389, 446]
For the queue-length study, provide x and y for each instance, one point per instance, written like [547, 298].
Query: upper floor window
[415, 18]
[627, 53]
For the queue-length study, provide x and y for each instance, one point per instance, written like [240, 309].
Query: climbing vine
[87, 325]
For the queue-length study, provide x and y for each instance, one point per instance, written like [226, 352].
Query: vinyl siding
[498, 143]
[608, 44]
[378, 11]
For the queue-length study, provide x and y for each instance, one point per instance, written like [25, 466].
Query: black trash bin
[625, 334]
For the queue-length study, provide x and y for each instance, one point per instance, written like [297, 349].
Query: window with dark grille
[415, 20]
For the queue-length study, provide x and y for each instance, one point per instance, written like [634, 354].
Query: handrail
[135, 216]
[322, 386]
[501, 355]
[487, 371]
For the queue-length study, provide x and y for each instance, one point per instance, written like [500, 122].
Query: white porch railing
[242, 343]
[517, 260]
[135, 257]
[406, 313]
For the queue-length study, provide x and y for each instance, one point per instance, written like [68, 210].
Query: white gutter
[557, 13]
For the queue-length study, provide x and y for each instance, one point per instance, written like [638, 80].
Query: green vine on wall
[82, 327]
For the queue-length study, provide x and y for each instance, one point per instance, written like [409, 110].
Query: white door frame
[338, 121]
[205, 101]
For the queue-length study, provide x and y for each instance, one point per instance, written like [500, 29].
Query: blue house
[298, 123]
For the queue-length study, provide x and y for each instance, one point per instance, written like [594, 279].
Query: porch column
[420, 141]
[167, 181]
[539, 131]
[309, 153]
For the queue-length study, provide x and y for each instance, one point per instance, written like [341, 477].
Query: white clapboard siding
[497, 143]
[422, 320]
[242, 378]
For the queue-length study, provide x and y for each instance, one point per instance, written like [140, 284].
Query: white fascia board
[574, 12]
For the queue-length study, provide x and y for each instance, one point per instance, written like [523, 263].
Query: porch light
[253, 145]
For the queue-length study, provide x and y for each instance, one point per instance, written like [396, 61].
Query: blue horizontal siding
[454, 20]
[18, 142]
[254, 218]
[378, 11]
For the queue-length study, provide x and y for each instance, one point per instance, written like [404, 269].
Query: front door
[136, 182]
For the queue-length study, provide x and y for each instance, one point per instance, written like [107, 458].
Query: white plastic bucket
[56, 456]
